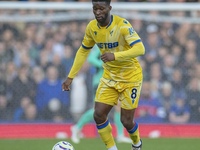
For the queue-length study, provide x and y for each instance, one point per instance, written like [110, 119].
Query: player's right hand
[66, 84]
[107, 57]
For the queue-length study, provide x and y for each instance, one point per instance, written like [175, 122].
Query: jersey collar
[111, 20]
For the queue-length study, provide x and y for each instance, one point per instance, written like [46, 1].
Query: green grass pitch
[96, 144]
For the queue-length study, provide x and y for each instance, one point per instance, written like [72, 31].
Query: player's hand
[66, 84]
[107, 57]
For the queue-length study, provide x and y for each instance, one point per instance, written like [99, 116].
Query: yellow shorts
[109, 92]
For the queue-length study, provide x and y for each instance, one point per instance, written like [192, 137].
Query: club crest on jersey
[111, 32]
[131, 31]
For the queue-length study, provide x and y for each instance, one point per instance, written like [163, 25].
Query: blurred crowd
[36, 57]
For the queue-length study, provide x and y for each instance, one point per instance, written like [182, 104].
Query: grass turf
[96, 144]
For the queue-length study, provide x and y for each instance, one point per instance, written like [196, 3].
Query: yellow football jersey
[117, 36]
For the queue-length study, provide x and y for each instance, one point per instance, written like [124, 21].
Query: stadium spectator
[162, 52]
[178, 83]
[193, 99]
[58, 63]
[44, 60]
[3, 54]
[55, 111]
[182, 32]
[168, 67]
[58, 45]
[5, 109]
[166, 34]
[22, 86]
[150, 109]
[196, 71]
[36, 45]
[179, 111]
[155, 75]
[30, 113]
[3, 84]
[7, 49]
[49, 89]
[152, 43]
[155, 89]
[166, 98]
[19, 112]
[75, 44]
[37, 74]
[11, 72]
[46, 54]
[177, 54]
[189, 60]
[196, 37]
[73, 35]
[68, 58]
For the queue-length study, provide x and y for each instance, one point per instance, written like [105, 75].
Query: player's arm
[80, 58]
[132, 38]
[136, 50]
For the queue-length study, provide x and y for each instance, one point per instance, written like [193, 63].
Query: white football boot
[137, 147]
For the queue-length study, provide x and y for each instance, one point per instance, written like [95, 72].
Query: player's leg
[130, 99]
[117, 121]
[75, 129]
[106, 97]
[132, 127]
[103, 125]
[119, 127]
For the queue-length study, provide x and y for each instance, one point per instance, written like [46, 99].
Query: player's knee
[99, 117]
[127, 123]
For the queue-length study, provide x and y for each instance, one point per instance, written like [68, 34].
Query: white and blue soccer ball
[63, 145]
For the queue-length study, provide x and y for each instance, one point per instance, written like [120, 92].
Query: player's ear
[110, 7]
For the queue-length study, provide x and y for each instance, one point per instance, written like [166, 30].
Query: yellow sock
[105, 132]
[134, 134]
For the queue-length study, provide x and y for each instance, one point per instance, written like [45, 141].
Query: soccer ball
[63, 145]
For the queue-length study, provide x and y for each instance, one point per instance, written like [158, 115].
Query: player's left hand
[107, 57]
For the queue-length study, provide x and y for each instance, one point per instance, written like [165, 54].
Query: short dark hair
[106, 1]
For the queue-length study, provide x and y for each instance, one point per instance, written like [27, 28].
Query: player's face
[101, 12]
